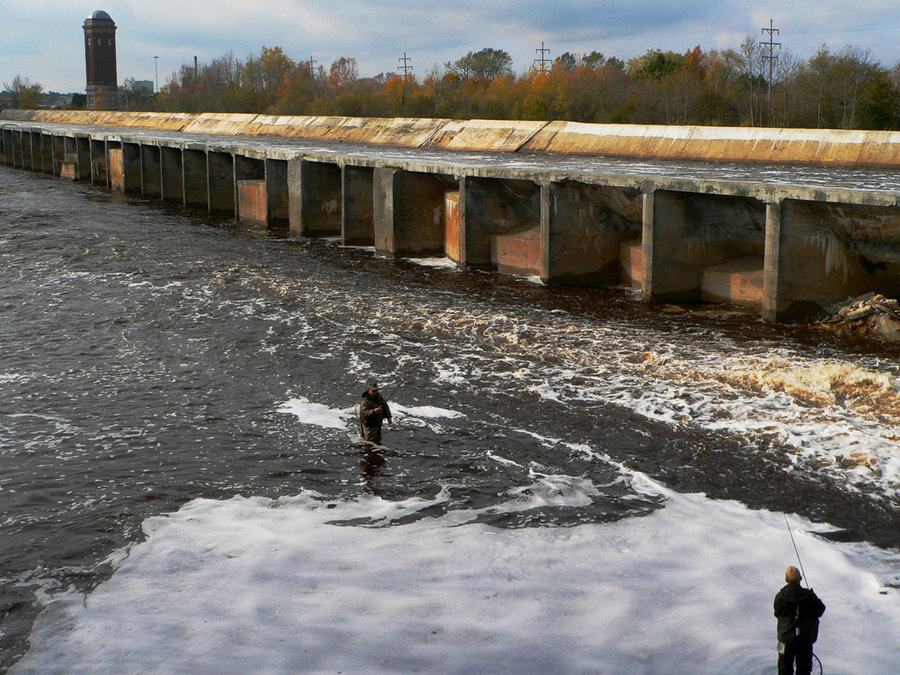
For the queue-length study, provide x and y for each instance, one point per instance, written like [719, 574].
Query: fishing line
[796, 550]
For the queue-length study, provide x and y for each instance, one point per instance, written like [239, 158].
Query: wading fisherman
[373, 409]
[798, 610]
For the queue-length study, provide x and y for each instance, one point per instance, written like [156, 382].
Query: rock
[887, 327]
[860, 313]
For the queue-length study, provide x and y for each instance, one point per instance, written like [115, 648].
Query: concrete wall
[357, 206]
[685, 233]
[827, 147]
[409, 212]
[585, 227]
[499, 219]
[314, 198]
[785, 249]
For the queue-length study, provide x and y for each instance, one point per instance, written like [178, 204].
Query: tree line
[843, 89]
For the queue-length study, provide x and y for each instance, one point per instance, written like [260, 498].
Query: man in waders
[798, 610]
[373, 409]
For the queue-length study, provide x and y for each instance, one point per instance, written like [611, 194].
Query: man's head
[373, 387]
[792, 575]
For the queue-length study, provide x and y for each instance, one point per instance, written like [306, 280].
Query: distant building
[143, 87]
[100, 61]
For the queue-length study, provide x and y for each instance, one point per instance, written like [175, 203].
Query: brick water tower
[100, 61]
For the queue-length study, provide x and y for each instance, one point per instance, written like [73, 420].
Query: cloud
[42, 39]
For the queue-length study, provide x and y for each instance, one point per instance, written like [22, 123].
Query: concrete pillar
[586, 225]
[99, 163]
[9, 148]
[409, 212]
[500, 225]
[220, 177]
[357, 206]
[278, 203]
[151, 172]
[818, 253]
[196, 183]
[33, 154]
[772, 272]
[18, 149]
[314, 198]
[171, 178]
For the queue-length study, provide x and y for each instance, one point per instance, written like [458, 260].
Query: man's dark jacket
[798, 610]
[370, 417]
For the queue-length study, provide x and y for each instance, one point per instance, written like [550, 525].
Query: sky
[43, 39]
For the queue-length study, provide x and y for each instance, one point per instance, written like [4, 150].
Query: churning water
[173, 387]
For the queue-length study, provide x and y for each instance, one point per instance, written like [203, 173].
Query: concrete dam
[786, 221]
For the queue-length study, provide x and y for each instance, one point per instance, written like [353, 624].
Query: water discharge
[181, 461]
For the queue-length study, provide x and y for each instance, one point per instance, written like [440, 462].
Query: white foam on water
[426, 411]
[441, 262]
[316, 414]
[290, 585]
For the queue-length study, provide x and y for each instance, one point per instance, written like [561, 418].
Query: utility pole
[404, 65]
[770, 57]
[407, 69]
[542, 60]
[156, 63]
[311, 64]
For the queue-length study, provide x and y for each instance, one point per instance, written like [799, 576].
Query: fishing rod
[803, 573]
[796, 550]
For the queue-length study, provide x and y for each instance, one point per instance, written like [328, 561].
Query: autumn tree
[25, 93]
[485, 64]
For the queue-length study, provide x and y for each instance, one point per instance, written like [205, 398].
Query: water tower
[100, 61]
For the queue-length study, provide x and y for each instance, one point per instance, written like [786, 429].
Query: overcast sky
[43, 39]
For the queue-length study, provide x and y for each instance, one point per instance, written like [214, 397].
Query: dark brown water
[146, 352]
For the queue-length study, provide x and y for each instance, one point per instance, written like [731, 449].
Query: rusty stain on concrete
[826, 147]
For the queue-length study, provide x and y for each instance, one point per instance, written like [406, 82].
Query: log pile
[871, 315]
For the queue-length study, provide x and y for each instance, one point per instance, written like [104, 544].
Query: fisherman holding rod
[373, 409]
[798, 610]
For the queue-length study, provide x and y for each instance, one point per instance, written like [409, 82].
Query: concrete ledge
[827, 147]
[631, 262]
[484, 135]
[517, 252]
[227, 124]
[252, 202]
[377, 131]
[739, 282]
[744, 144]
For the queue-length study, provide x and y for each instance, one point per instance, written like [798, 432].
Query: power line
[770, 57]
[405, 67]
[542, 60]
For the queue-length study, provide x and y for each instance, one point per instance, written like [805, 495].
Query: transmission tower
[542, 60]
[311, 64]
[770, 56]
[405, 65]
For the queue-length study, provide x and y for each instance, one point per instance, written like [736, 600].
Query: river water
[162, 370]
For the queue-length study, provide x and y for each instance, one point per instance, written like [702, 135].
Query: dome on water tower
[99, 15]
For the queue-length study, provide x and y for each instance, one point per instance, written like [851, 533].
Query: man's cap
[373, 385]
[792, 575]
